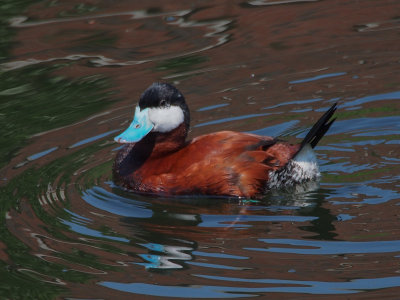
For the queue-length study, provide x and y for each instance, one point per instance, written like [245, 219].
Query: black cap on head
[161, 94]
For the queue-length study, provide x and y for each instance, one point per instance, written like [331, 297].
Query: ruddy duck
[157, 159]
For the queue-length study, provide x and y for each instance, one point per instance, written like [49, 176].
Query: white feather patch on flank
[166, 119]
[302, 168]
[307, 162]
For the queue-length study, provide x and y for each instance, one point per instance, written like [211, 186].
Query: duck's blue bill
[138, 129]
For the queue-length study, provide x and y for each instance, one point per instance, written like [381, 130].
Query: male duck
[157, 158]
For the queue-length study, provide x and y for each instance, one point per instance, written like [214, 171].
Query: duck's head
[161, 109]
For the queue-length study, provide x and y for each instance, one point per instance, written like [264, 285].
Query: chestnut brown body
[223, 164]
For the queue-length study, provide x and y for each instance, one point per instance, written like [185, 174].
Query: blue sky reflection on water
[307, 287]
[317, 77]
[328, 247]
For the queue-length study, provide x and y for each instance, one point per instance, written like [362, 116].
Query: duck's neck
[162, 144]
[131, 157]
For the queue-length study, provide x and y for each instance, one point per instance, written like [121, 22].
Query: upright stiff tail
[320, 128]
[303, 166]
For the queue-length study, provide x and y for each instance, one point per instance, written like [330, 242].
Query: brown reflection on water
[268, 48]
[243, 55]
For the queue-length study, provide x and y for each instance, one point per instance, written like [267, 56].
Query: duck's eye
[137, 126]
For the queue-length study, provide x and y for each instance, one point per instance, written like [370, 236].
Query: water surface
[71, 74]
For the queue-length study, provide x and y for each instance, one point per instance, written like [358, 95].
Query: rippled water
[71, 73]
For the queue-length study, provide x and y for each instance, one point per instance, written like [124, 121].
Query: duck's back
[223, 163]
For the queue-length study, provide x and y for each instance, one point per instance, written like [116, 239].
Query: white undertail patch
[167, 118]
[302, 168]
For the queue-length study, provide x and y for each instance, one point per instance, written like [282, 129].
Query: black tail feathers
[319, 128]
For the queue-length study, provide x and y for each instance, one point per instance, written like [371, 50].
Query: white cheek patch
[166, 119]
